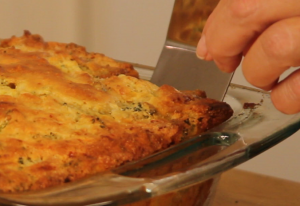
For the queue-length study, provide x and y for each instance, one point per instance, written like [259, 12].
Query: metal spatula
[178, 65]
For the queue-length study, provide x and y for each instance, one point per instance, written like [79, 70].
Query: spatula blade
[180, 68]
[178, 64]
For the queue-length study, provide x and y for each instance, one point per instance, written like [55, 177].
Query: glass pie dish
[186, 173]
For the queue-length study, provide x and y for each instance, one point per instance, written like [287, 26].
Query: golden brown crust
[70, 55]
[60, 122]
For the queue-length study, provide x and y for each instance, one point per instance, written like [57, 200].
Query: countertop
[242, 188]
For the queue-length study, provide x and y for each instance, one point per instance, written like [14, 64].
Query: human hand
[267, 34]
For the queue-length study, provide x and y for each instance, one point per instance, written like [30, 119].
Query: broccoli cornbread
[66, 114]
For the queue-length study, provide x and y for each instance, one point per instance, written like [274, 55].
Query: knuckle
[278, 44]
[244, 9]
[286, 96]
[253, 80]
[285, 106]
[293, 85]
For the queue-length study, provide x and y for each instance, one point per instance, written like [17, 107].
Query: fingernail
[201, 48]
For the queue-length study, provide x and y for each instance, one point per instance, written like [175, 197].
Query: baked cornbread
[66, 114]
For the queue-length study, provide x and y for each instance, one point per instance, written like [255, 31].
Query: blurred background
[132, 31]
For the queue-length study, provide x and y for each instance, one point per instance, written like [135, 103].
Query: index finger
[235, 24]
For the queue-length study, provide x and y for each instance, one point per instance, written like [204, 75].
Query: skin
[267, 34]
